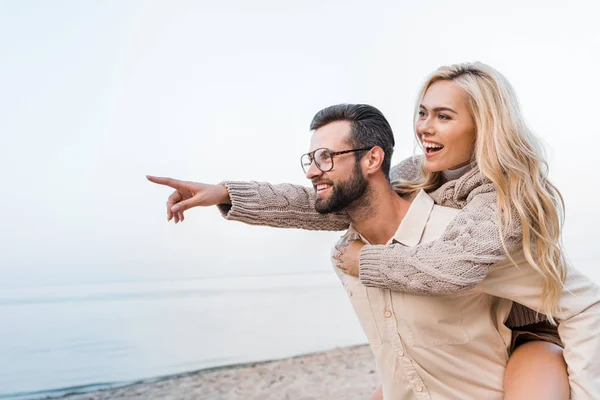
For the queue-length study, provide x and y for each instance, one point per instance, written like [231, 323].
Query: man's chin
[325, 207]
[322, 207]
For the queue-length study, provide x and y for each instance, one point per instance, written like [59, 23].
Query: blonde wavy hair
[511, 156]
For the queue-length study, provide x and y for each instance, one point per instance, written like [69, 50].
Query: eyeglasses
[323, 158]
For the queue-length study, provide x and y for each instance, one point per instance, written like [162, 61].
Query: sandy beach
[344, 373]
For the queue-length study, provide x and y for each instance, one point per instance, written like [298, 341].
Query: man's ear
[374, 160]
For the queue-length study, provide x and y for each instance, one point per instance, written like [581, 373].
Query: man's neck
[378, 214]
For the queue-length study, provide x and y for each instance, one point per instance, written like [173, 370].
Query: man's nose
[313, 171]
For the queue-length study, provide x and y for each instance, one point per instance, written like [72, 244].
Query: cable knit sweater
[457, 261]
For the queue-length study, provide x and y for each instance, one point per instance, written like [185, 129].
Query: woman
[479, 156]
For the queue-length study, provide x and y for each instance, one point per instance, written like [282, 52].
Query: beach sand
[344, 373]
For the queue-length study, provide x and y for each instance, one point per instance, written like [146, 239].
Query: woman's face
[445, 127]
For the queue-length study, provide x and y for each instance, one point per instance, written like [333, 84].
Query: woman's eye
[421, 114]
[443, 116]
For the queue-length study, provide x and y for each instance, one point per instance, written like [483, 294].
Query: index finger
[174, 183]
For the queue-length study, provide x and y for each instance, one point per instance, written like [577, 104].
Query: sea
[59, 339]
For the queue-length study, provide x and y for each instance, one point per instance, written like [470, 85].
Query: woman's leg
[536, 370]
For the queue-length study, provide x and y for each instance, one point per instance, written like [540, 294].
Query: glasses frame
[331, 155]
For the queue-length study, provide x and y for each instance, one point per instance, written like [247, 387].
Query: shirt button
[349, 292]
[400, 353]
[387, 313]
[419, 388]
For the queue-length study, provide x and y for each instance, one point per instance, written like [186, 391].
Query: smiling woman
[445, 127]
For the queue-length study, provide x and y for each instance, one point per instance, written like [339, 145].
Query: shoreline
[344, 372]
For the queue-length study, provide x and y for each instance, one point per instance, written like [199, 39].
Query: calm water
[59, 339]
[63, 338]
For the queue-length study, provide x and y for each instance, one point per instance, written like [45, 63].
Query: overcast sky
[96, 94]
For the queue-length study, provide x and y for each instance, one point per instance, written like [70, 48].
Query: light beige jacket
[432, 347]
[579, 318]
[456, 346]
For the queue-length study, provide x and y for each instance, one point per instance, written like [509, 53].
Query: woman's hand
[347, 257]
[190, 194]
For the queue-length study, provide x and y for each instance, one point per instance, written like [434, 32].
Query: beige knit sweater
[457, 261]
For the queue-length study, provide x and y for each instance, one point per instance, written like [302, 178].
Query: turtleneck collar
[452, 174]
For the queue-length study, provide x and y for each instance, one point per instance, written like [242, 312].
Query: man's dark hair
[369, 128]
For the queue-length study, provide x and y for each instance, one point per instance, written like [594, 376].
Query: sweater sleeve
[457, 261]
[279, 206]
[290, 206]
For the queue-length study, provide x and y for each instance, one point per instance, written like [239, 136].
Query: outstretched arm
[291, 206]
[281, 206]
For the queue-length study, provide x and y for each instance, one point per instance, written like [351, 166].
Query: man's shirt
[432, 347]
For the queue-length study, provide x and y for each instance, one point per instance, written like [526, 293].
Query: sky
[95, 95]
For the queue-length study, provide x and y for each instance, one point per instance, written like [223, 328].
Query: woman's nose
[424, 126]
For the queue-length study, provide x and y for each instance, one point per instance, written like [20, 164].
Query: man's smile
[322, 187]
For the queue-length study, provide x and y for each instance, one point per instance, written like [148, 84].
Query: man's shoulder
[439, 219]
[442, 212]
[439, 212]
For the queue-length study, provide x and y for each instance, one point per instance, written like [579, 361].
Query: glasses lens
[323, 160]
[305, 160]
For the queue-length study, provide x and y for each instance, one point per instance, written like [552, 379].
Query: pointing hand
[190, 194]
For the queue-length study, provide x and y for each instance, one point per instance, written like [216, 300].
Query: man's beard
[343, 193]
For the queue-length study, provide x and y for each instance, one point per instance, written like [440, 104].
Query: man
[426, 347]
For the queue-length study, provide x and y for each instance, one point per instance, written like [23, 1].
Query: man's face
[336, 189]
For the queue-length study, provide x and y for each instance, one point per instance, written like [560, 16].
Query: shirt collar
[413, 224]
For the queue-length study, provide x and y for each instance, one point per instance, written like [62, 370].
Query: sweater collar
[458, 192]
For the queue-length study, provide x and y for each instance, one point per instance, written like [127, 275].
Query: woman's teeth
[431, 147]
